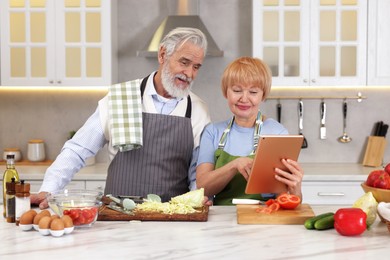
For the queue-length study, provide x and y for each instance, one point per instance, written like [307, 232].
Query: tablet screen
[270, 151]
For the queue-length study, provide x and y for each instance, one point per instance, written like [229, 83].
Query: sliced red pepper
[350, 221]
[288, 201]
[271, 206]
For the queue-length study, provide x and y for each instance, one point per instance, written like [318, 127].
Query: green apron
[236, 187]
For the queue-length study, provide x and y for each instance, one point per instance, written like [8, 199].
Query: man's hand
[39, 200]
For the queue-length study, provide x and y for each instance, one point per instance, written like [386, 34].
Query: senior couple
[160, 139]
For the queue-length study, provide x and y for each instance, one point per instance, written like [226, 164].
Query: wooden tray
[107, 214]
[246, 214]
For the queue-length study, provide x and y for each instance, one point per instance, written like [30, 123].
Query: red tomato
[387, 168]
[372, 177]
[288, 201]
[378, 179]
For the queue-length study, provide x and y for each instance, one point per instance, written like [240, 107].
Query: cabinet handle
[51, 81]
[305, 80]
[313, 80]
[340, 194]
[59, 81]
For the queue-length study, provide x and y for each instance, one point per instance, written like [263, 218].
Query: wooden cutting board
[107, 214]
[246, 214]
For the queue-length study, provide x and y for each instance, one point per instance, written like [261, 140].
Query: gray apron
[161, 165]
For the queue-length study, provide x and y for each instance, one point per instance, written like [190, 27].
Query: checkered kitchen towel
[125, 110]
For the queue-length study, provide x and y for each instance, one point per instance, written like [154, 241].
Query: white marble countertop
[313, 172]
[218, 238]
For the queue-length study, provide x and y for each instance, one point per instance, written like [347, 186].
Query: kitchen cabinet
[312, 42]
[331, 192]
[378, 69]
[95, 185]
[58, 43]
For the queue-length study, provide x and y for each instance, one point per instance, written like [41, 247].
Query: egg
[41, 214]
[27, 218]
[68, 222]
[44, 222]
[54, 216]
[57, 224]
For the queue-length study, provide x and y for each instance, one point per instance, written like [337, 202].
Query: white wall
[51, 115]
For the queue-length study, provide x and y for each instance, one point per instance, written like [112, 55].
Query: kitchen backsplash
[50, 115]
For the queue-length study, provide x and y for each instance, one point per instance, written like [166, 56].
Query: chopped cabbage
[182, 204]
[368, 204]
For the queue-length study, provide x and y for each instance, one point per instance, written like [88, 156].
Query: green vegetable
[325, 223]
[309, 223]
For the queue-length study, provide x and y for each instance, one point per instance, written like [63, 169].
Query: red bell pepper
[350, 221]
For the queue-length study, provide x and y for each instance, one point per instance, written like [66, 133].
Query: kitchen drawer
[95, 185]
[331, 192]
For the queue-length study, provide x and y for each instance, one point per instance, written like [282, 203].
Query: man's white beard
[168, 81]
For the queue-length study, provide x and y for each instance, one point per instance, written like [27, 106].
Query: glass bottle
[22, 199]
[10, 199]
[10, 172]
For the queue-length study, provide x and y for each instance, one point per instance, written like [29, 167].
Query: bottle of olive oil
[10, 172]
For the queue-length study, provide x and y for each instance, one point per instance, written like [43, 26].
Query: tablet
[270, 151]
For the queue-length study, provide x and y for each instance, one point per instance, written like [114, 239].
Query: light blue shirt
[89, 139]
[239, 141]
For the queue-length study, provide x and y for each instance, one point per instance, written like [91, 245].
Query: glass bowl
[81, 205]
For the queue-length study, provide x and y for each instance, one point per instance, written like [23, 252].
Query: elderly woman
[225, 160]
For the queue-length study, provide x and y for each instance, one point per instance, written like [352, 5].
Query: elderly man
[152, 127]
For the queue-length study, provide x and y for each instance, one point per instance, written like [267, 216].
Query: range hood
[183, 13]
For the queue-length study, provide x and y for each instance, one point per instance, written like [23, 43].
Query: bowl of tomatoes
[378, 182]
[81, 205]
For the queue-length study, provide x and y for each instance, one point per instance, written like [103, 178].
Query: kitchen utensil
[126, 203]
[384, 129]
[246, 214]
[377, 128]
[345, 138]
[300, 123]
[247, 201]
[279, 111]
[323, 118]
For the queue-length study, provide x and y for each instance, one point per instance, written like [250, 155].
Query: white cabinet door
[331, 192]
[316, 43]
[56, 43]
[378, 43]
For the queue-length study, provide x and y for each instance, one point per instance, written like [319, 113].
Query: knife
[383, 130]
[323, 118]
[378, 128]
[279, 110]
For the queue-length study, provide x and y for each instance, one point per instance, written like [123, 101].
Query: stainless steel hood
[183, 13]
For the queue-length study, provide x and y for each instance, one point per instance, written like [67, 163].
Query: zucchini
[309, 223]
[324, 223]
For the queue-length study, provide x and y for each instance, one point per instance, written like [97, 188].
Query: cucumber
[309, 223]
[324, 223]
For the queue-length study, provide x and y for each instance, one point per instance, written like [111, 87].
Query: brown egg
[41, 214]
[44, 222]
[26, 218]
[57, 224]
[54, 216]
[33, 212]
[68, 222]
